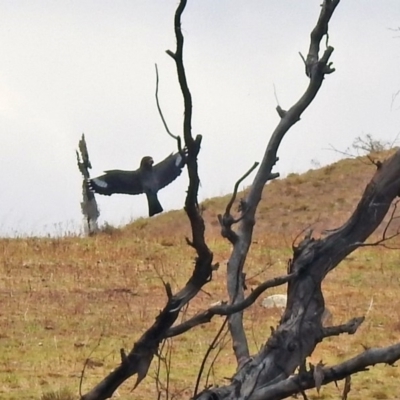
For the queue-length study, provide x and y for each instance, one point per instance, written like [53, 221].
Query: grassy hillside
[67, 299]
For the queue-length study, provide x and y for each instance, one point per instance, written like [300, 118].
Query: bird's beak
[151, 161]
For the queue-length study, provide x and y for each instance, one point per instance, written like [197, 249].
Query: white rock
[275, 300]
[279, 301]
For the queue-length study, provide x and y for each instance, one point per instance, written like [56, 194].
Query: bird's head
[147, 162]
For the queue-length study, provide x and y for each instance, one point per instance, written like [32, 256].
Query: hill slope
[322, 198]
[68, 299]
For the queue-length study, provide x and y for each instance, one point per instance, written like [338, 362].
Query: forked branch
[139, 358]
[385, 234]
[316, 69]
[300, 329]
[226, 221]
[203, 266]
[350, 328]
[229, 309]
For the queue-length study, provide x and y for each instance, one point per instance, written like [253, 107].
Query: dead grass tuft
[62, 394]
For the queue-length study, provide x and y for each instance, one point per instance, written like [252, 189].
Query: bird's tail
[154, 205]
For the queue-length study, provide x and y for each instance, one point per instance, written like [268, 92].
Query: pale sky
[69, 67]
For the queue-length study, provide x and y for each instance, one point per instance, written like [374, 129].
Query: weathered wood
[300, 329]
[316, 69]
[270, 373]
[139, 358]
[89, 206]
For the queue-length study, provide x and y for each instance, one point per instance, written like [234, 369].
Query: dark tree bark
[138, 360]
[316, 69]
[270, 374]
[300, 329]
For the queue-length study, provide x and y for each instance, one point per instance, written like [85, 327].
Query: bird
[147, 179]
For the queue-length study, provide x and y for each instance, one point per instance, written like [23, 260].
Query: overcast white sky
[74, 66]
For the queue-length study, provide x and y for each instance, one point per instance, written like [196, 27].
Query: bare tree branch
[226, 221]
[203, 266]
[303, 381]
[222, 342]
[394, 96]
[228, 309]
[347, 387]
[158, 369]
[316, 69]
[386, 355]
[270, 373]
[166, 361]
[385, 237]
[86, 363]
[139, 358]
[300, 328]
[350, 328]
[160, 111]
[207, 353]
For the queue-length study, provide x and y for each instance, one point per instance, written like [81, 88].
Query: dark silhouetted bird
[147, 179]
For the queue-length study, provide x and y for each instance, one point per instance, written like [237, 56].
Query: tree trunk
[300, 329]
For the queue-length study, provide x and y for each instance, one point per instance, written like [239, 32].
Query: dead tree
[89, 207]
[279, 369]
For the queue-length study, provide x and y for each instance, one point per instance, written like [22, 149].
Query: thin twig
[276, 95]
[203, 362]
[385, 238]
[86, 362]
[236, 187]
[394, 96]
[221, 343]
[160, 111]
[158, 369]
[226, 221]
[168, 359]
[394, 140]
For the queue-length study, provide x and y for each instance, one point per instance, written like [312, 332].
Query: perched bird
[147, 179]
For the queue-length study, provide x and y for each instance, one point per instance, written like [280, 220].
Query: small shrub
[368, 144]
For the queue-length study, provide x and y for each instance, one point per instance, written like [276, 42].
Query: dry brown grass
[63, 300]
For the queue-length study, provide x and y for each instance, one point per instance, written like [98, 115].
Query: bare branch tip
[160, 111]
[273, 175]
[168, 290]
[281, 112]
[215, 267]
[124, 357]
[302, 57]
[171, 54]
[189, 242]
[328, 70]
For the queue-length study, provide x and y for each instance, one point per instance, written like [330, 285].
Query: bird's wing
[117, 181]
[168, 170]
